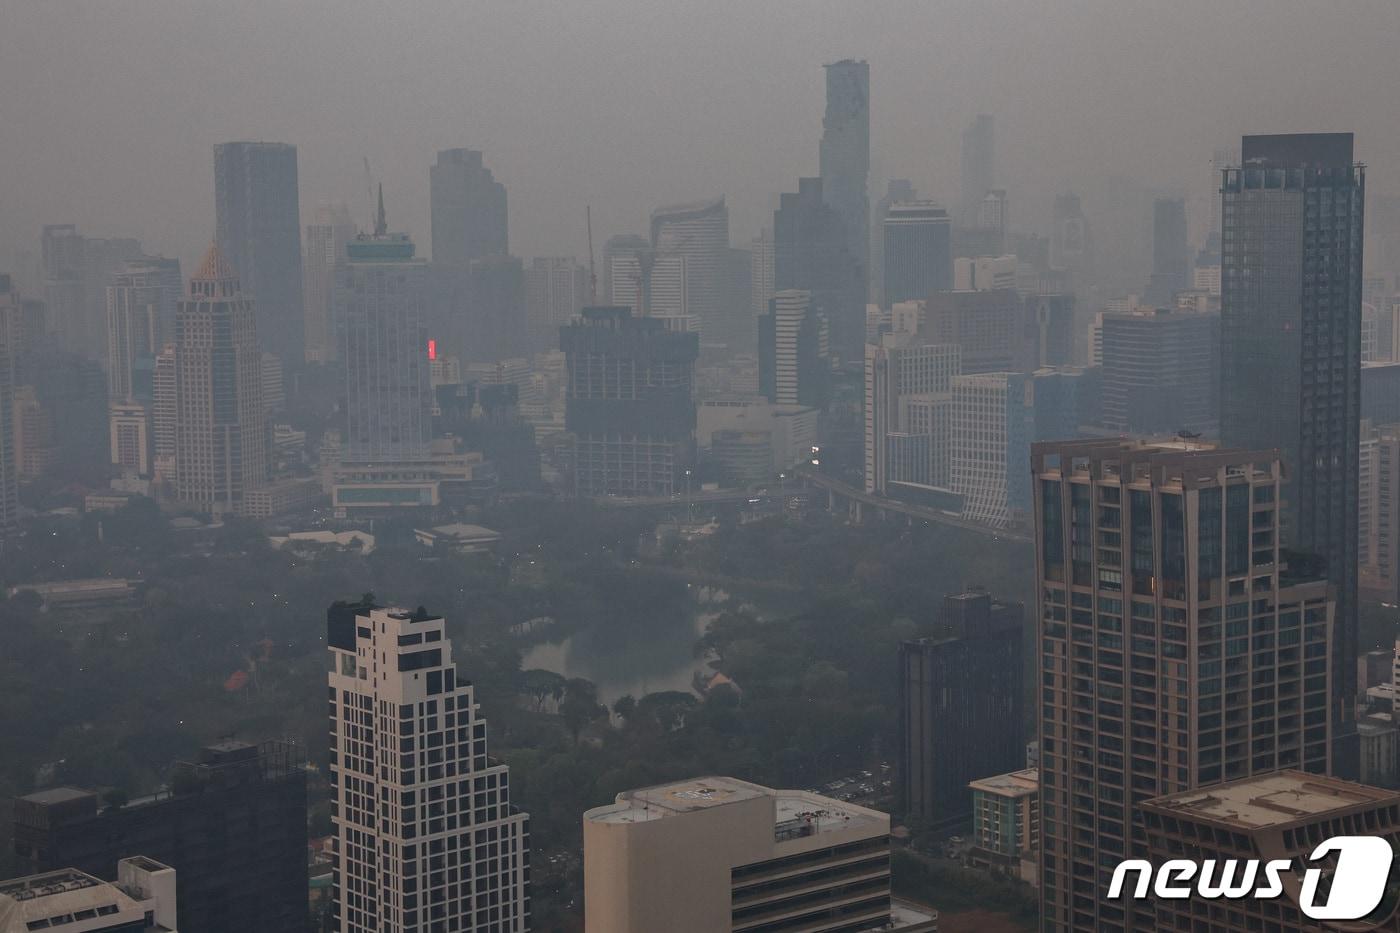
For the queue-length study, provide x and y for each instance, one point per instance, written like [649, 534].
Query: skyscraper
[425, 832]
[1179, 648]
[164, 413]
[468, 209]
[997, 332]
[699, 233]
[959, 707]
[258, 218]
[9, 431]
[845, 160]
[896, 190]
[629, 402]
[129, 429]
[140, 308]
[324, 253]
[810, 253]
[556, 287]
[381, 304]
[1161, 371]
[794, 361]
[761, 272]
[918, 251]
[990, 440]
[978, 167]
[77, 270]
[908, 411]
[621, 271]
[1171, 261]
[1290, 353]
[221, 444]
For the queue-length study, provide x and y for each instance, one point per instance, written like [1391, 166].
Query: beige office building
[719, 854]
[1283, 815]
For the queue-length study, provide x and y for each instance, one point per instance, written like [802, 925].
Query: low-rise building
[719, 854]
[141, 900]
[458, 536]
[1006, 823]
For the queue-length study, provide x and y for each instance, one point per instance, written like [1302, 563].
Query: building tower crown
[215, 277]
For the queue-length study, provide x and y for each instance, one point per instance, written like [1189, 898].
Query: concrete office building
[324, 253]
[959, 707]
[221, 437]
[469, 215]
[77, 270]
[381, 303]
[629, 402]
[993, 328]
[1161, 372]
[141, 302]
[142, 900]
[258, 218]
[425, 832]
[130, 437]
[716, 854]
[760, 272]
[908, 396]
[697, 233]
[989, 442]
[164, 414]
[1282, 815]
[918, 251]
[1290, 353]
[620, 279]
[845, 159]
[1169, 612]
[1378, 525]
[234, 819]
[556, 288]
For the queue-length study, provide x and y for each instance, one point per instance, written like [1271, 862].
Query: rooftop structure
[142, 900]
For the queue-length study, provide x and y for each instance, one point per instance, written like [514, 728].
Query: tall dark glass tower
[1291, 354]
[845, 155]
[468, 209]
[810, 253]
[978, 166]
[259, 232]
[1171, 266]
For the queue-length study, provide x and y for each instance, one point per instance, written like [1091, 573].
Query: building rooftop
[57, 795]
[1271, 800]
[74, 900]
[796, 812]
[1015, 784]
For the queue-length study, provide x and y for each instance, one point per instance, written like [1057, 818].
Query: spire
[381, 226]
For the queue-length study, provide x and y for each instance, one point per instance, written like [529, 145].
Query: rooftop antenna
[592, 275]
[369, 182]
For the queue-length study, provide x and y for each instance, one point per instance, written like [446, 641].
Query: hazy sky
[109, 110]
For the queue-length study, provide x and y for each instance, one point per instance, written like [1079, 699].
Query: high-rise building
[77, 270]
[897, 190]
[1071, 245]
[220, 431]
[993, 328]
[9, 430]
[234, 820]
[1269, 816]
[258, 216]
[274, 395]
[622, 271]
[468, 209]
[845, 162]
[141, 302]
[1378, 532]
[141, 900]
[381, 304]
[1161, 371]
[425, 832]
[959, 707]
[1290, 353]
[1171, 261]
[716, 854]
[918, 250]
[794, 349]
[699, 234]
[810, 253]
[629, 402]
[130, 437]
[978, 166]
[761, 272]
[324, 252]
[1169, 611]
[990, 440]
[164, 414]
[908, 411]
[556, 287]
